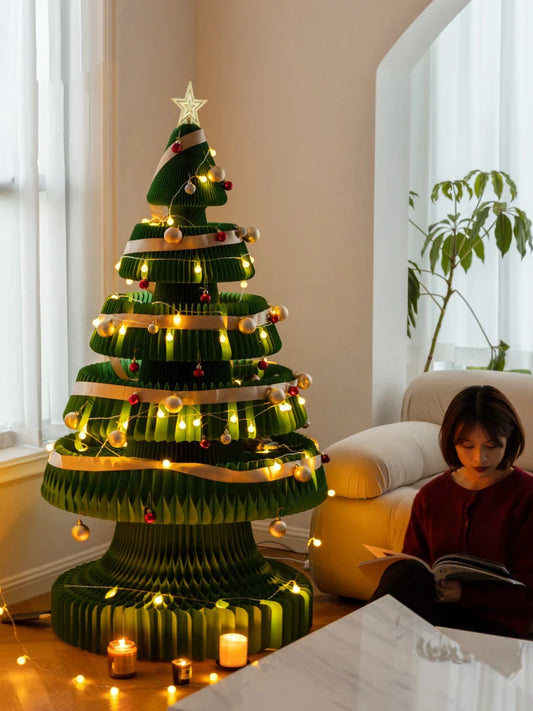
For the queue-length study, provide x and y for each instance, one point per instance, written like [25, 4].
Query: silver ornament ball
[173, 403]
[225, 438]
[173, 235]
[153, 328]
[252, 235]
[276, 395]
[302, 473]
[277, 528]
[246, 325]
[282, 312]
[304, 381]
[190, 189]
[241, 232]
[216, 174]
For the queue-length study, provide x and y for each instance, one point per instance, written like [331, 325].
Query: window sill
[21, 462]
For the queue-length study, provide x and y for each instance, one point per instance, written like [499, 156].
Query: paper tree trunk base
[212, 580]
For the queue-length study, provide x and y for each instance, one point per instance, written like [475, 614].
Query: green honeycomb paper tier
[193, 568]
[185, 433]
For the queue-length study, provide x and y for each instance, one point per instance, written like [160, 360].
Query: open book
[454, 566]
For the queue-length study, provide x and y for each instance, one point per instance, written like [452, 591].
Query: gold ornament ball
[153, 328]
[105, 329]
[304, 381]
[302, 473]
[216, 174]
[241, 232]
[246, 325]
[276, 395]
[117, 438]
[173, 235]
[190, 189]
[282, 312]
[252, 235]
[72, 420]
[80, 532]
[173, 403]
[225, 438]
[277, 528]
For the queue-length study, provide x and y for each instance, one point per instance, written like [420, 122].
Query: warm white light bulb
[171, 689]
[97, 321]
[49, 448]
[144, 268]
[122, 330]
[317, 542]
[198, 269]
[170, 221]
[245, 263]
[82, 435]
[80, 679]
[244, 284]
[263, 334]
[276, 467]
[182, 424]
[160, 414]
[129, 282]
[234, 418]
[212, 152]
[166, 463]
[158, 600]
[117, 265]
[170, 336]
[197, 422]
[202, 179]
[295, 588]
[222, 338]
[114, 691]
[22, 660]
[331, 492]
[301, 400]
[213, 677]
[176, 320]
[251, 428]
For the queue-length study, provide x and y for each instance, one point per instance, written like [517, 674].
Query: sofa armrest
[384, 458]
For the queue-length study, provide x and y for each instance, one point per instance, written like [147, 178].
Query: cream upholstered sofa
[376, 474]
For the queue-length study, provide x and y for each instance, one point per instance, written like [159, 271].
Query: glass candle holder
[121, 658]
[233, 650]
[181, 671]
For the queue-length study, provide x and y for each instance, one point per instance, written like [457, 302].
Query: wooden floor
[45, 682]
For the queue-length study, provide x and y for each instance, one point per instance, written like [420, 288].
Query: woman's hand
[448, 590]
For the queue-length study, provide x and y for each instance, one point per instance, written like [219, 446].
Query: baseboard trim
[38, 580]
[295, 539]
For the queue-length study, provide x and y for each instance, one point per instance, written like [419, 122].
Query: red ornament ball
[293, 391]
[205, 298]
[205, 443]
[144, 283]
[177, 147]
[325, 458]
[227, 185]
[133, 366]
[198, 372]
[221, 236]
[149, 516]
[134, 399]
[262, 364]
[273, 318]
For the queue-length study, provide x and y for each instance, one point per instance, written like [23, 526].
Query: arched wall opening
[389, 351]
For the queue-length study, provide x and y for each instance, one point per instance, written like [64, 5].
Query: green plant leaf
[499, 207]
[503, 233]
[520, 236]
[478, 247]
[413, 295]
[458, 185]
[464, 251]
[447, 189]
[480, 183]
[511, 184]
[481, 215]
[447, 254]
[434, 252]
[412, 195]
[497, 183]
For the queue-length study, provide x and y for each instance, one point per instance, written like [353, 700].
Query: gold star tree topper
[189, 106]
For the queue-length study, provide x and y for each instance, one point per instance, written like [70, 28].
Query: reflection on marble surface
[380, 657]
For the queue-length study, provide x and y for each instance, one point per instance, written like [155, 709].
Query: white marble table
[378, 658]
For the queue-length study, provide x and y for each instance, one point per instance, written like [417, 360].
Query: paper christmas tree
[185, 435]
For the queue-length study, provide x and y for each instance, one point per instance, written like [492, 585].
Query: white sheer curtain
[55, 218]
[471, 107]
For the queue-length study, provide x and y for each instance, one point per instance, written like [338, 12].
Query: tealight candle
[121, 658]
[233, 649]
[181, 671]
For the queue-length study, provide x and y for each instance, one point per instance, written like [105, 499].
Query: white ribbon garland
[202, 471]
[188, 397]
[185, 322]
[188, 242]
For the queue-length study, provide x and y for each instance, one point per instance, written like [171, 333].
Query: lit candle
[233, 650]
[121, 658]
[181, 671]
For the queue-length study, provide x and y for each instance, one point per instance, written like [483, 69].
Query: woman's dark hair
[487, 407]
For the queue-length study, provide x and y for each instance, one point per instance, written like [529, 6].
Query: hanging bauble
[275, 395]
[277, 528]
[302, 473]
[293, 390]
[198, 372]
[205, 298]
[149, 515]
[251, 376]
[173, 235]
[176, 147]
[117, 438]
[252, 235]
[307, 424]
[134, 399]
[216, 174]
[173, 403]
[221, 236]
[190, 189]
[325, 458]
[133, 367]
[246, 325]
[80, 532]
[282, 312]
[72, 420]
[304, 381]
[273, 317]
[153, 328]
[225, 437]
[105, 329]
[144, 284]
[227, 185]
[262, 364]
[205, 443]
[241, 232]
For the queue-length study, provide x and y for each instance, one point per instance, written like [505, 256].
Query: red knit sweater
[494, 523]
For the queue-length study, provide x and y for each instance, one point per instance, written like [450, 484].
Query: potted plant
[482, 207]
